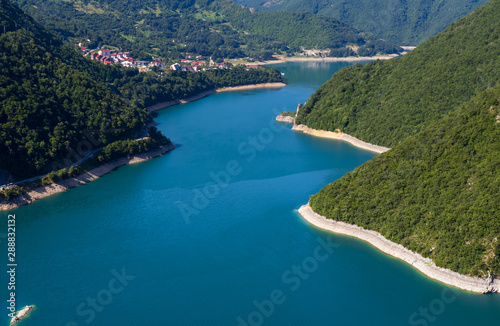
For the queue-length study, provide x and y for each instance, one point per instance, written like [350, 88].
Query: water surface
[209, 235]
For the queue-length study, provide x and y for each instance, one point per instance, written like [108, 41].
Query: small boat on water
[21, 314]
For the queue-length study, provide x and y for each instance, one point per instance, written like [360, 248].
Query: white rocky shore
[331, 134]
[61, 186]
[21, 314]
[342, 136]
[285, 118]
[424, 265]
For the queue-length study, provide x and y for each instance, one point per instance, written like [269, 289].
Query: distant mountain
[386, 101]
[401, 22]
[170, 29]
[436, 193]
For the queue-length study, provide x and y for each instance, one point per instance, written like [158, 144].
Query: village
[191, 64]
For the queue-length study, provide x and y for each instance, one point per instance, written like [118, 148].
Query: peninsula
[337, 134]
[424, 265]
[201, 95]
[436, 191]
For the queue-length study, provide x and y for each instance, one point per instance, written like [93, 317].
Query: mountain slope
[170, 29]
[48, 105]
[56, 106]
[386, 101]
[436, 193]
[402, 22]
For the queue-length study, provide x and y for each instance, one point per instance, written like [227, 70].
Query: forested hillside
[384, 102]
[402, 22]
[436, 193]
[46, 103]
[52, 100]
[171, 29]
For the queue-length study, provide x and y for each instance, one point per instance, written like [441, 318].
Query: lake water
[209, 235]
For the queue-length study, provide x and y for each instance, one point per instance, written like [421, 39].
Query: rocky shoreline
[201, 95]
[282, 59]
[342, 136]
[54, 188]
[285, 118]
[331, 135]
[424, 265]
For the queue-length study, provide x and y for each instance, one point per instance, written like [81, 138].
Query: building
[105, 53]
[175, 67]
[157, 64]
[128, 64]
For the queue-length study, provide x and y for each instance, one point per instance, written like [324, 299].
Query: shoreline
[54, 188]
[162, 105]
[336, 135]
[326, 59]
[425, 265]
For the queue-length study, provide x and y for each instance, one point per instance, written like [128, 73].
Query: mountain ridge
[384, 102]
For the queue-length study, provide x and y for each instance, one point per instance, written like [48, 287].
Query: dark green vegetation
[55, 105]
[170, 29]
[149, 89]
[384, 102]
[288, 114]
[402, 22]
[46, 102]
[436, 193]
[130, 147]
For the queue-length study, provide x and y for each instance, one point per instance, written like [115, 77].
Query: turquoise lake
[208, 234]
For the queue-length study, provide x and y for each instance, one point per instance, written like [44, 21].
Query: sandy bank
[87, 177]
[327, 59]
[163, 105]
[340, 135]
[253, 86]
[424, 265]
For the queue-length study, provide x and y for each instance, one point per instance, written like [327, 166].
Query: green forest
[173, 29]
[408, 22]
[146, 89]
[53, 100]
[384, 102]
[436, 192]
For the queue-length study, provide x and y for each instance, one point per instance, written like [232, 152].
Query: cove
[120, 250]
